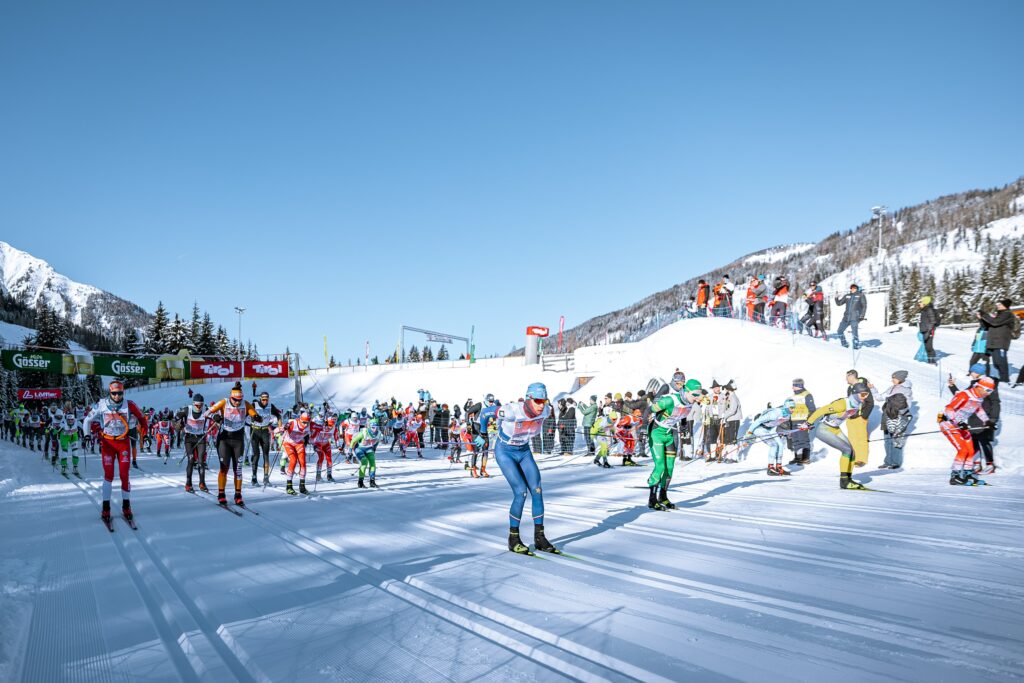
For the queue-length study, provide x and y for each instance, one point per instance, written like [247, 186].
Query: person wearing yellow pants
[857, 426]
[832, 417]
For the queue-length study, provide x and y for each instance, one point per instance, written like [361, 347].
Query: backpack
[1015, 328]
[895, 406]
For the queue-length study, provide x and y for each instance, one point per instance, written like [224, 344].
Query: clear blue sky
[343, 168]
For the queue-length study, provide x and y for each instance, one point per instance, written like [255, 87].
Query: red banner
[215, 369]
[265, 368]
[535, 331]
[39, 394]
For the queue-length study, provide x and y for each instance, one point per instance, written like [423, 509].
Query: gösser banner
[41, 361]
[117, 366]
[39, 394]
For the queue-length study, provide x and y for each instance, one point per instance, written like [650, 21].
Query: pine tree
[414, 355]
[428, 354]
[195, 328]
[442, 353]
[331, 363]
[374, 361]
[222, 343]
[177, 335]
[157, 334]
[207, 345]
[131, 342]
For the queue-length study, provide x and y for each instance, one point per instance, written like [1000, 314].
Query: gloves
[805, 427]
[991, 424]
[961, 425]
[941, 418]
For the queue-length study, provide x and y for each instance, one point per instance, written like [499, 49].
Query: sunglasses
[117, 393]
[236, 398]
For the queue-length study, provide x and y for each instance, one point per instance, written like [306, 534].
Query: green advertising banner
[36, 361]
[120, 366]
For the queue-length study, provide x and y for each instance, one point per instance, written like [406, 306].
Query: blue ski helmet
[537, 391]
[787, 407]
[489, 399]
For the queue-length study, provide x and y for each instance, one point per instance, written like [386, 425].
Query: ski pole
[934, 431]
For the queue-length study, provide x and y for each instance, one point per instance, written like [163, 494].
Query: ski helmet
[692, 386]
[860, 388]
[116, 387]
[787, 407]
[678, 380]
[197, 398]
[489, 399]
[372, 423]
[537, 391]
[304, 417]
[987, 383]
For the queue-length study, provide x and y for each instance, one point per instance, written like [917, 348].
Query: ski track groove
[315, 546]
[935, 644]
[178, 647]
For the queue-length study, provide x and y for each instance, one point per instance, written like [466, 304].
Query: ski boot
[246, 461]
[772, 471]
[628, 462]
[515, 544]
[795, 461]
[126, 510]
[597, 461]
[53, 461]
[266, 479]
[483, 472]
[188, 488]
[318, 476]
[105, 513]
[254, 481]
[289, 490]
[135, 464]
[663, 500]
[282, 469]
[222, 500]
[473, 472]
[74, 471]
[202, 487]
[361, 484]
[652, 500]
[373, 483]
[302, 486]
[330, 477]
[540, 542]
[238, 499]
[64, 468]
[418, 454]
[782, 471]
[846, 482]
[605, 464]
[970, 479]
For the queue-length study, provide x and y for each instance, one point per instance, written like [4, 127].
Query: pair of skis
[109, 523]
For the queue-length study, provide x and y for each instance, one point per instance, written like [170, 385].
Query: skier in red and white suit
[953, 424]
[108, 420]
[320, 436]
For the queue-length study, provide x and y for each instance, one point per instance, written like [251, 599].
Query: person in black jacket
[927, 325]
[982, 434]
[999, 326]
[856, 310]
[444, 418]
[567, 425]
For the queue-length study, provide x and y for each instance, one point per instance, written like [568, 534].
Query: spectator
[896, 402]
[812, 320]
[979, 349]
[731, 415]
[567, 425]
[856, 310]
[589, 413]
[444, 419]
[926, 326]
[799, 439]
[691, 308]
[780, 301]
[755, 298]
[703, 292]
[1000, 327]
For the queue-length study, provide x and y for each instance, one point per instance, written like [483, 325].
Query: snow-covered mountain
[29, 279]
[961, 237]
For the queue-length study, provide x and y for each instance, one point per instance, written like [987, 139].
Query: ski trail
[937, 645]
[190, 652]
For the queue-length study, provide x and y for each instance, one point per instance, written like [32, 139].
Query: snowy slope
[752, 578]
[14, 334]
[31, 279]
[777, 254]
[937, 254]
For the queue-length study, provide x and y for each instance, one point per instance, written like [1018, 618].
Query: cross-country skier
[260, 434]
[321, 433]
[832, 417]
[953, 423]
[295, 433]
[411, 435]
[163, 437]
[68, 437]
[666, 413]
[109, 420]
[516, 424]
[766, 427]
[603, 431]
[231, 439]
[196, 427]
[364, 444]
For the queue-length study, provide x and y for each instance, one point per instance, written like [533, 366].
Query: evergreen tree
[374, 361]
[442, 353]
[178, 335]
[414, 355]
[222, 343]
[207, 345]
[428, 354]
[157, 335]
[195, 328]
[131, 342]
[331, 363]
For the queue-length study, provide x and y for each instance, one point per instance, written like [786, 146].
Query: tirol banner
[39, 395]
[122, 366]
[38, 361]
[261, 369]
[215, 369]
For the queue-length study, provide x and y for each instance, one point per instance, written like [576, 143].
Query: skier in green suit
[666, 413]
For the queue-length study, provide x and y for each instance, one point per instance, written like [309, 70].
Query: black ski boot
[266, 479]
[238, 499]
[329, 476]
[318, 477]
[289, 490]
[515, 544]
[302, 486]
[222, 500]
[254, 482]
[126, 509]
[663, 500]
[361, 484]
[652, 501]
[846, 482]
[105, 513]
[541, 542]
[373, 483]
